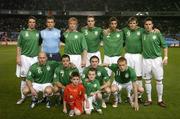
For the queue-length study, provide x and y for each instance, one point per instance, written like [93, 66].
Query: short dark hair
[148, 19]
[75, 74]
[32, 17]
[50, 17]
[65, 56]
[121, 59]
[132, 19]
[92, 69]
[112, 19]
[90, 17]
[94, 56]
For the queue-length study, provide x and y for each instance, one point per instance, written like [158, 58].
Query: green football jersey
[42, 73]
[75, 43]
[152, 43]
[28, 41]
[91, 86]
[123, 77]
[133, 40]
[113, 43]
[93, 38]
[101, 74]
[63, 74]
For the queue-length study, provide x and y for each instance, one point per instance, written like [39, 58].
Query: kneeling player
[74, 95]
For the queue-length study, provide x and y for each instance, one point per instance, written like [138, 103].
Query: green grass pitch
[9, 93]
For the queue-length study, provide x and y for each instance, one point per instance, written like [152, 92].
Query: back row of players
[143, 54]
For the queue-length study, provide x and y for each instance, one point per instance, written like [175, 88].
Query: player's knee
[88, 112]
[26, 90]
[99, 96]
[114, 88]
[55, 89]
[148, 81]
[158, 82]
[140, 89]
[77, 112]
[108, 90]
[48, 90]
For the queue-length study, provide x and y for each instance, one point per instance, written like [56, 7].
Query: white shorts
[90, 99]
[153, 66]
[40, 87]
[135, 62]
[89, 55]
[110, 60]
[127, 86]
[76, 60]
[26, 62]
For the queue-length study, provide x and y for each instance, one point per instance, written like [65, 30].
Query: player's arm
[136, 105]
[165, 59]
[60, 85]
[18, 55]
[84, 53]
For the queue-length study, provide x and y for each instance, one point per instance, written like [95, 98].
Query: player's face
[90, 22]
[66, 62]
[113, 25]
[72, 25]
[94, 62]
[132, 25]
[42, 58]
[31, 23]
[50, 23]
[91, 75]
[75, 80]
[122, 66]
[148, 25]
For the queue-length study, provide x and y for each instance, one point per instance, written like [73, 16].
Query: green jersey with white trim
[152, 43]
[62, 74]
[93, 38]
[28, 41]
[133, 40]
[42, 73]
[113, 43]
[123, 77]
[75, 43]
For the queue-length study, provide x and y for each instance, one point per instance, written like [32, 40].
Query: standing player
[93, 36]
[75, 44]
[93, 93]
[152, 60]
[51, 40]
[101, 76]
[112, 42]
[27, 51]
[133, 47]
[74, 96]
[40, 78]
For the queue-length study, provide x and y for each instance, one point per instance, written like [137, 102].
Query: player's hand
[72, 65]
[33, 92]
[165, 60]
[18, 60]
[135, 106]
[65, 110]
[104, 64]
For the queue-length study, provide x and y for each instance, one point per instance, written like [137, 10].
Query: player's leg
[88, 106]
[106, 95]
[48, 91]
[36, 88]
[57, 93]
[98, 102]
[115, 88]
[158, 73]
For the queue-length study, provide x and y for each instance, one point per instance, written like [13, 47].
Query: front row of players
[86, 93]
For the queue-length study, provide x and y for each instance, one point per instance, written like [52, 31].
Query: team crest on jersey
[39, 70]
[83, 76]
[29, 74]
[126, 75]
[128, 33]
[80, 93]
[95, 85]
[76, 36]
[86, 32]
[71, 97]
[37, 34]
[26, 34]
[118, 35]
[48, 68]
[66, 35]
[98, 73]
[154, 37]
[96, 33]
[55, 76]
[138, 33]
